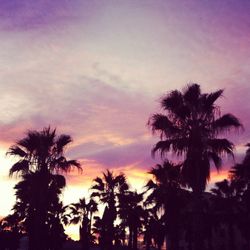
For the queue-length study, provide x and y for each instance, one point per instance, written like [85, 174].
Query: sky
[97, 69]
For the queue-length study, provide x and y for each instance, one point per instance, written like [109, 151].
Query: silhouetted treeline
[173, 209]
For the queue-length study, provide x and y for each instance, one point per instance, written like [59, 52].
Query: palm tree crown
[42, 151]
[190, 127]
[81, 210]
[41, 158]
[108, 187]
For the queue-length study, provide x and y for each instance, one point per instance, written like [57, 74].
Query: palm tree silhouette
[190, 127]
[27, 202]
[11, 231]
[106, 189]
[166, 194]
[82, 213]
[240, 175]
[227, 207]
[154, 227]
[41, 159]
[241, 171]
[131, 213]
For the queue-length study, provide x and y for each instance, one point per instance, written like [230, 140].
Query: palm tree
[190, 128]
[11, 231]
[241, 171]
[106, 189]
[82, 212]
[166, 195]
[240, 174]
[27, 202]
[41, 158]
[227, 207]
[154, 224]
[131, 213]
[150, 220]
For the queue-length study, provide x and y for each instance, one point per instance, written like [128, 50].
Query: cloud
[108, 124]
[88, 106]
[29, 14]
[136, 175]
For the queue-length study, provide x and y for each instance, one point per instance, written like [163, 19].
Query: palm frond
[15, 150]
[192, 93]
[221, 146]
[226, 122]
[212, 97]
[21, 166]
[61, 164]
[150, 185]
[162, 146]
[62, 141]
[161, 123]
[95, 194]
[59, 180]
[216, 159]
[171, 101]
[179, 146]
[99, 184]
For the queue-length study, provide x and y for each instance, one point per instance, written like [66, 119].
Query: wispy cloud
[27, 14]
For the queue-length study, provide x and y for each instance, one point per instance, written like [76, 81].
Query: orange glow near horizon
[79, 184]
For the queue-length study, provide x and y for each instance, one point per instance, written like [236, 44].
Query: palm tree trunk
[147, 238]
[135, 241]
[231, 235]
[130, 238]
[197, 230]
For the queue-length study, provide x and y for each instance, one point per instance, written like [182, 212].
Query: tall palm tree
[240, 174]
[27, 202]
[227, 207]
[154, 229]
[131, 213]
[190, 127]
[167, 197]
[41, 158]
[106, 189]
[82, 212]
[241, 171]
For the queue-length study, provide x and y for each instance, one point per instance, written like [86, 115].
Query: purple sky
[96, 70]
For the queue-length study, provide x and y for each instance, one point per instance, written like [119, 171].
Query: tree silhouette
[190, 127]
[27, 202]
[10, 232]
[166, 195]
[81, 212]
[240, 175]
[227, 207]
[41, 158]
[131, 213]
[106, 189]
[154, 227]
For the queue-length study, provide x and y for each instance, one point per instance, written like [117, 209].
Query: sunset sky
[96, 70]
